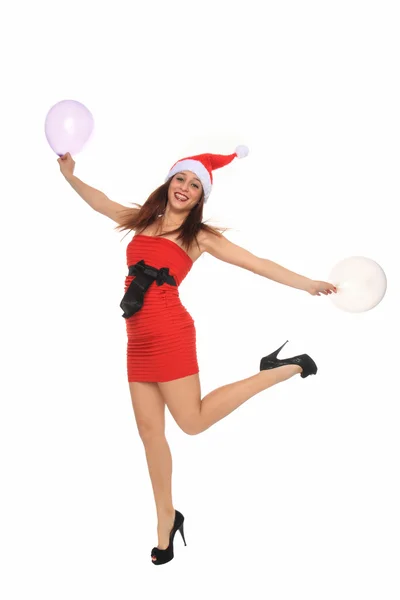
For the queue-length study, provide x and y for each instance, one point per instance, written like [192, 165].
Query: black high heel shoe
[164, 556]
[303, 360]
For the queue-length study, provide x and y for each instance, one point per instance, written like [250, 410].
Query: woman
[161, 353]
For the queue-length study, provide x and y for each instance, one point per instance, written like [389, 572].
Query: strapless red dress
[162, 334]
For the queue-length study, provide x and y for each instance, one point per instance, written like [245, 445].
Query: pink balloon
[68, 126]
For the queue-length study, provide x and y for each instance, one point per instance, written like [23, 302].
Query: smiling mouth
[181, 197]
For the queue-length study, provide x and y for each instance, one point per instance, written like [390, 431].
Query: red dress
[162, 334]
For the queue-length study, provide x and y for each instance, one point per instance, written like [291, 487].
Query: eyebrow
[182, 173]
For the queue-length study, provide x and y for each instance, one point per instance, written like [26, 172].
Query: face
[185, 190]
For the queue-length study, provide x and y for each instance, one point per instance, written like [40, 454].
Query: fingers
[64, 156]
[325, 292]
[330, 288]
[323, 287]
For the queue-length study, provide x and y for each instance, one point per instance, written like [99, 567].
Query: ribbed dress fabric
[161, 335]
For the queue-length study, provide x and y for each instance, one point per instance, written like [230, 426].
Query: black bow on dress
[145, 275]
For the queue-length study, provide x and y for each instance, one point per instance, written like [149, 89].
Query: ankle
[165, 513]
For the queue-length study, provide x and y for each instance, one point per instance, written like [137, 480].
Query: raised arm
[93, 197]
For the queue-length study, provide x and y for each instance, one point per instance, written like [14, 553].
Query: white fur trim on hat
[198, 169]
[241, 151]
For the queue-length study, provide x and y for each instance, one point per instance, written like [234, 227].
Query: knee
[189, 423]
[191, 428]
[191, 431]
[150, 433]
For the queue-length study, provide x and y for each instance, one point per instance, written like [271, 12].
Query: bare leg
[149, 409]
[194, 416]
[159, 462]
[221, 402]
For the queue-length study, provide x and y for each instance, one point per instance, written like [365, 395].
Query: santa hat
[204, 164]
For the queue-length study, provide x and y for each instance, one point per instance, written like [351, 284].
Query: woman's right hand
[67, 165]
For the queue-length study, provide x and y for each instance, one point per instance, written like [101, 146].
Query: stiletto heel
[181, 532]
[303, 360]
[164, 556]
[274, 355]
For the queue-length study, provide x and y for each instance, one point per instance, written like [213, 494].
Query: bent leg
[193, 415]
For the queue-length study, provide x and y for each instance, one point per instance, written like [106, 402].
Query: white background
[295, 494]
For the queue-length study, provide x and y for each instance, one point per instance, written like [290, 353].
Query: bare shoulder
[207, 240]
[223, 249]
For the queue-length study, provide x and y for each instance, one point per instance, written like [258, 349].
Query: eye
[179, 177]
[195, 185]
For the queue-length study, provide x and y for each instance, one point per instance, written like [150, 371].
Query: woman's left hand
[317, 288]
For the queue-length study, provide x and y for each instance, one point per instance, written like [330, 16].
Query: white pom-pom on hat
[241, 151]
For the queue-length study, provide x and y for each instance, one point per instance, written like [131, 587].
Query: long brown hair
[134, 219]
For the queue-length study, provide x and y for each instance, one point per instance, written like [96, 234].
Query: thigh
[149, 408]
[183, 398]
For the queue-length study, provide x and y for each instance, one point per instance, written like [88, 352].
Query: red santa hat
[203, 165]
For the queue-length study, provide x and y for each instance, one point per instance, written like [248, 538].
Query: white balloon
[361, 284]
